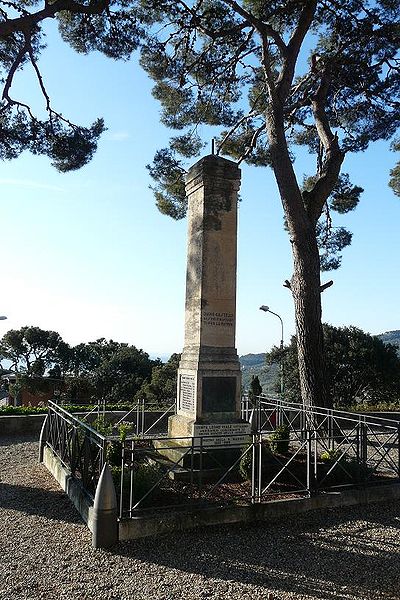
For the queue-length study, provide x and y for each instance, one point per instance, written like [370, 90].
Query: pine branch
[264, 29]
[28, 21]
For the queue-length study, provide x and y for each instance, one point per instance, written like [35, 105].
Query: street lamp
[2, 318]
[282, 378]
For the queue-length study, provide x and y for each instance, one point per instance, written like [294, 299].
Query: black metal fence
[292, 451]
[79, 447]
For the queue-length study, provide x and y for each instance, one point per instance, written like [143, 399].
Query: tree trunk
[305, 287]
[305, 283]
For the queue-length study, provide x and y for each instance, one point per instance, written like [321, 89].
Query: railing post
[331, 430]
[398, 450]
[121, 482]
[364, 450]
[253, 469]
[358, 451]
[279, 413]
[191, 465]
[137, 417]
[315, 473]
[143, 415]
[201, 468]
[259, 467]
[311, 461]
[103, 454]
[132, 478]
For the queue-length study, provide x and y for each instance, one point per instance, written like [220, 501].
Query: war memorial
[209, 382]
[206, 459]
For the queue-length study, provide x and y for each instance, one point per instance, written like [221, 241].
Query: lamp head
[264, 308]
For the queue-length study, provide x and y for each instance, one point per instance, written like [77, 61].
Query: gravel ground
[45, 551]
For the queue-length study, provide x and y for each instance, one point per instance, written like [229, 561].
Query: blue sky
[87, 253]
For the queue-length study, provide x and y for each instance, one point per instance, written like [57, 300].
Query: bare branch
[253, 143]
[17, 62]
[330, 168]
[38, 74]
[238, 123]
[325, 286]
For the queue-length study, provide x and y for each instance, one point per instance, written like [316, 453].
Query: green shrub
[103, 426]
[245, 464]
[279, 440]
[347, 469]
[114, 449]
[22, 410]
[146, 475]
[329, 456]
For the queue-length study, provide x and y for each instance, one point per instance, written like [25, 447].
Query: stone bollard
[104, 515]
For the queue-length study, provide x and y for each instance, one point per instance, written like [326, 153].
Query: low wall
[269, 511]
[21, 424]
[31, 424]
[82, 502]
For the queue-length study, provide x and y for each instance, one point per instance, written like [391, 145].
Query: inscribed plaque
[186, 400]
[219, 394]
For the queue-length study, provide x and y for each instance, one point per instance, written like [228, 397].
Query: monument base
[209, 433]
[200, 445]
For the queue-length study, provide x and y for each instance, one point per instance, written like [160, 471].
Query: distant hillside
[391, 337]
[254, 364]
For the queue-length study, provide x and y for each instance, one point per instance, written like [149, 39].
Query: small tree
[162, 386]
[255, 387]
[32, 350]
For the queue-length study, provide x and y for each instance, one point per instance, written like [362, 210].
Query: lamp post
[282, 377]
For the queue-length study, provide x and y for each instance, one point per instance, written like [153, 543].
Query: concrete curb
[269, 511]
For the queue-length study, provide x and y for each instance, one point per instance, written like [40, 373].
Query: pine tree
[275, 77]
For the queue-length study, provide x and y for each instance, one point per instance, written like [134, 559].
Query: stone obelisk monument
[209, 378]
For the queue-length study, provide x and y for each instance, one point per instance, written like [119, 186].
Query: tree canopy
[86, 26]
[326, 72]
[93, 371]
[32, 350]
[162, 386]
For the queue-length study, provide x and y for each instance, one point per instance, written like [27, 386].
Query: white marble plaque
[222, 434]
[187, 393]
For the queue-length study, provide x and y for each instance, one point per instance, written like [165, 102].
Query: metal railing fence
[292, 451]
[79, 447]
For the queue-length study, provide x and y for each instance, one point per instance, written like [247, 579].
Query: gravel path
[45, 551]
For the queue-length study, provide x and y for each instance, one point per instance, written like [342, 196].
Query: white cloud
[30, 184]
[119, 136]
